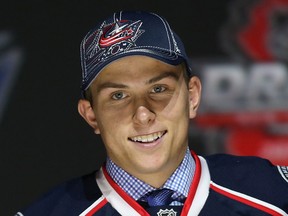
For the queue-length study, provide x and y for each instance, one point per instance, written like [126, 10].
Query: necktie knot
[159, 197]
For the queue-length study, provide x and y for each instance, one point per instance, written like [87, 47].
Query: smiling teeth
[147, 138]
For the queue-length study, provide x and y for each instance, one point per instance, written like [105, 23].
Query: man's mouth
[148, 138]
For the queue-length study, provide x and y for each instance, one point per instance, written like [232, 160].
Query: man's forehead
[137, 67]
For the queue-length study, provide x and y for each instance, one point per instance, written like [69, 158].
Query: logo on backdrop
[253, 84]
[257, 30]
[10, 59]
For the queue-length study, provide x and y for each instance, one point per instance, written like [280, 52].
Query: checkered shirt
[179, 181]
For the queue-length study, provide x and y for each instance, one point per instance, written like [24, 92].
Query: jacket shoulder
[254, 176]
[69, 198]
[249, 168]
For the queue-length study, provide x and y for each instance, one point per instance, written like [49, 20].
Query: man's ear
[194, 95]
[86, 111]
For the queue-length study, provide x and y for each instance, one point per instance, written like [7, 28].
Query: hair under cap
[128, 33]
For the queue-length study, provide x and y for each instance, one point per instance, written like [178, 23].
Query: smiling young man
[139, 95]
[141, 110]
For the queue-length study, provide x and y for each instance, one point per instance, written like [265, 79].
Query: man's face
[141, 107]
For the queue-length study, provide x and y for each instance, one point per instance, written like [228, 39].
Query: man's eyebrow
[110, 85]
[150, 81]
[162, 76]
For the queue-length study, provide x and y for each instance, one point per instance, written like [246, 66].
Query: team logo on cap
[115, 33]
[166, 212]
[111, 39]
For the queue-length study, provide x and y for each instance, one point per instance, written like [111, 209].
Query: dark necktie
[159, 197]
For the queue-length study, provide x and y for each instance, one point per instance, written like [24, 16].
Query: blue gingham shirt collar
[179, 181]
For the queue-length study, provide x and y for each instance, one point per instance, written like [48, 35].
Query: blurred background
[239, 49]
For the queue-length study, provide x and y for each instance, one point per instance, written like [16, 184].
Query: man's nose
[143, 115]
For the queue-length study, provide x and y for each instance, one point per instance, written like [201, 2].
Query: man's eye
[118, 96]
[158, 89]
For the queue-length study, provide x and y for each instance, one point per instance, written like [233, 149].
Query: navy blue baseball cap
[129, 33]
